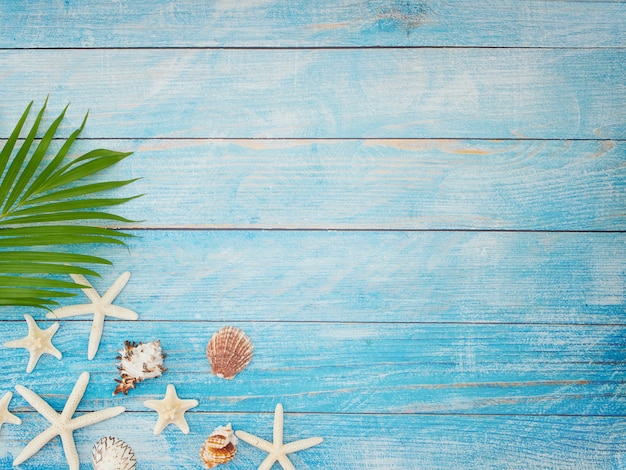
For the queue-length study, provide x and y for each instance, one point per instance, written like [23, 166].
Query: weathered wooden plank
[355, 441]
[352, 368]
[370, 276]
[282, 23]
[374, 184]
[456, 93]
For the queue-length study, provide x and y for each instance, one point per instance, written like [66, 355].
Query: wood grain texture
[351, 368]
[323, 23]
[467, 308]
[439, 93]
[352, 441]
[370, 276]
[374, 184]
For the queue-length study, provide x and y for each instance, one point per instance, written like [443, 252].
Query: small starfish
[37, 342]
[62, 424]
[100, 307]
[277, 450]
[171, 410]
[5, 415]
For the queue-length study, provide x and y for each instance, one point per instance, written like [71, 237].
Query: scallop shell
[138, 362]
[229, 352]
[219, 447]
[111, 453]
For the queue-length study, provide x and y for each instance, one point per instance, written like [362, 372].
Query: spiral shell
[138, 362]
[111, 453]
[219, 447]
[229, 352]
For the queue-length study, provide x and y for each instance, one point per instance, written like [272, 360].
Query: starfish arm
[33, 446]
[90, 292]
[302, 444]
[160, 425]
[12, 419]
[38, 403]
[5, 415]
[285, 463]
[52, 330]
[97, 327]
[268, 462]
[35, 354]
[255, 441]
[95, 417]
[121, 312]
[48, 334]
[182, 424]
[71, 311]
[18, 343]
[32, 326]
[278, 425]
[75, 397]
[55, 352]
[116, 288]
[152, 404]
[188, 404]
[69, 449]
[5, 400]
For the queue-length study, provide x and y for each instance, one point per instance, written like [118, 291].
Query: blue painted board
[353, 93]
[404, 337]
[373, 184]
[467, 277]
[362, 441]
[349, 367]
[323, 23]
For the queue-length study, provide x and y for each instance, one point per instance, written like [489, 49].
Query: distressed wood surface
[468, 277]
[425, 240]
[351, 367]
[323, 23]
[439, 93]
[354, 441]
[374, 184]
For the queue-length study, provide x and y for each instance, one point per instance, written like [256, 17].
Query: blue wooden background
[415, 209]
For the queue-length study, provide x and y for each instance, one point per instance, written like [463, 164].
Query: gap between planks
[302, 48]
[341, 322]
[215, 228]
[360, 415]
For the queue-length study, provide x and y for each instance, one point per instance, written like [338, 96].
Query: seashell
[138, 362]
[219, 447]
[111, 453]
[229, 352]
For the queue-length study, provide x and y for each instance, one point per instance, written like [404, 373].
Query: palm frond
[46, 203]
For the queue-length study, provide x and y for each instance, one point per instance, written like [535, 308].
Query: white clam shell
[111, 453]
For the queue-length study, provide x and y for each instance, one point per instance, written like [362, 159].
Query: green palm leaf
[44, 209]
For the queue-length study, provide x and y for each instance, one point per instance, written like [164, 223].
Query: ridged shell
[229, 352]
[111, 453]
[220, 447]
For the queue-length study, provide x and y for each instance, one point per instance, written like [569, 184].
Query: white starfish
[171, 410]
[277, 450]
[5, 415]
[37, 342]
[62, 424]
[101, 307]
